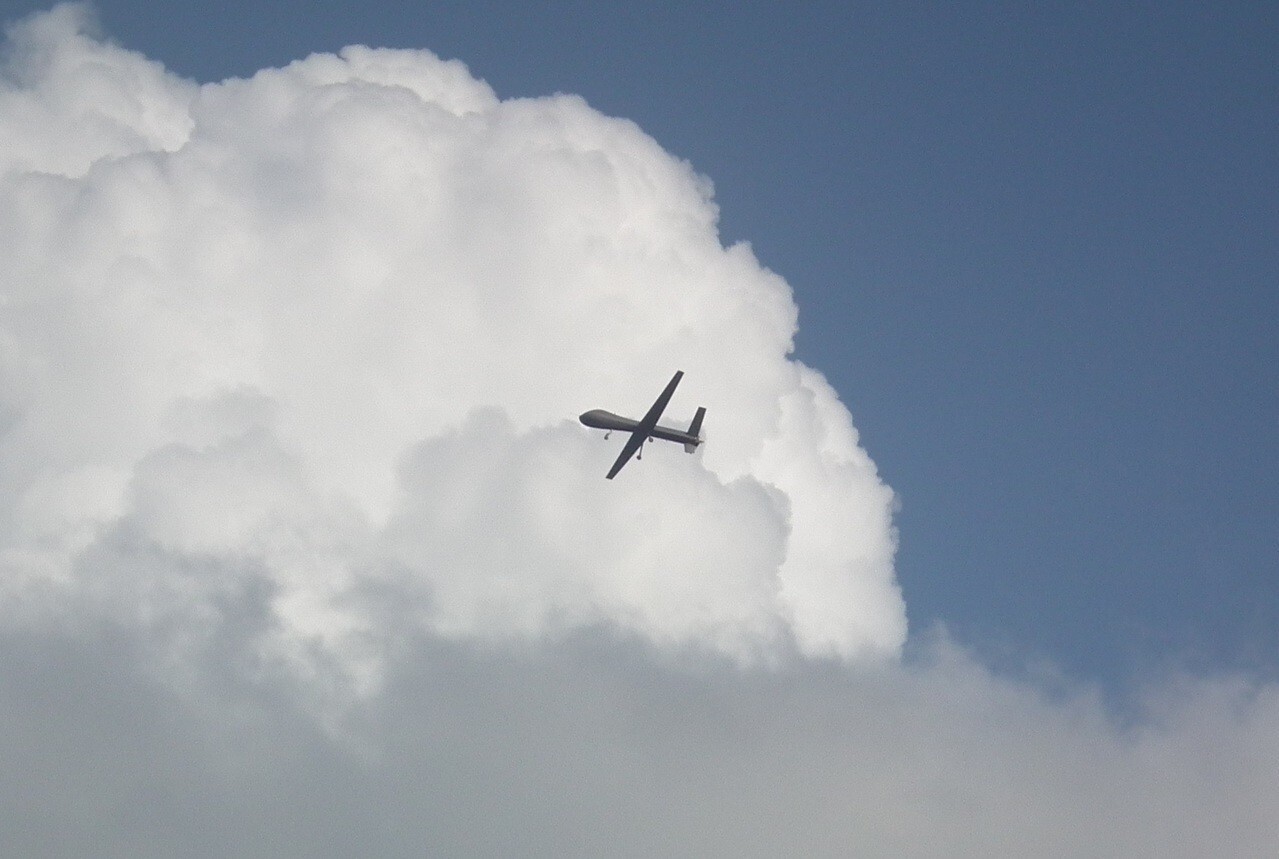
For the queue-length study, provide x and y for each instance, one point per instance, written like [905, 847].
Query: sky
[1032, 250]
[305, 552]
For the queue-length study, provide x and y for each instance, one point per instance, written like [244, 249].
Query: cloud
[302, 551]
[333, 325]
[590, 747]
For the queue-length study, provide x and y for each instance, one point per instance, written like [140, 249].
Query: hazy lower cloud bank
[303, 553]
[591, 747]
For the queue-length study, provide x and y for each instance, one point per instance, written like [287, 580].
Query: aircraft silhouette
[646, 428]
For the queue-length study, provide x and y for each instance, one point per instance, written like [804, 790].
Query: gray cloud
[598, 747]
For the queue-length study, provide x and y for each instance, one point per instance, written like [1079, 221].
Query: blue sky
[1034, 251]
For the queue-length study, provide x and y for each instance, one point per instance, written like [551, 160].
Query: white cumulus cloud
[330, 327]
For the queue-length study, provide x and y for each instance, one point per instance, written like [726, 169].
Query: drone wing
[645, 427]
